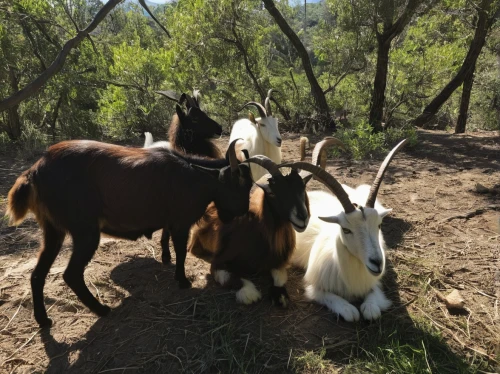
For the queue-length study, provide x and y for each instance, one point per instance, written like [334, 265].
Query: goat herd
[209, 204]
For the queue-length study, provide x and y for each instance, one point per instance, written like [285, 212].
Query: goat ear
[213, 172]
[305, 177]
[251, 117]
[179, 111]
[331, 219]
[266, 189]
[383, 212]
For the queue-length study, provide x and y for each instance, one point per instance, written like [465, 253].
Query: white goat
[149, 143]
[345, 261]
[260, 135]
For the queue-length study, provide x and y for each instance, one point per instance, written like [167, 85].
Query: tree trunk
[379, 84]
[384, 39]
[13, 120]
[316, 91]
[464, 102]
[467, 68]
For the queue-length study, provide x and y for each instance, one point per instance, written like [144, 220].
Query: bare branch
[58, 63]
[143, 3]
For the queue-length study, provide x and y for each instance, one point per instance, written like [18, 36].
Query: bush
[361, 143]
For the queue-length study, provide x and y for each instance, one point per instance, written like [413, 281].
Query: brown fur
[257, 242]
[84, 188]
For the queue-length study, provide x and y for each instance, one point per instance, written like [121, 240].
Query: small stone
[454, 300]
[481, 189]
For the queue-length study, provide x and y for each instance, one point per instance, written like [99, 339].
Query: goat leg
[180, 239]
[85, 243]
[166, 258]
[278, 293]
[53, 239]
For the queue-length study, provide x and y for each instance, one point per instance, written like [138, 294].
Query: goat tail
[304, 143]
[20, 198]
[149, 139]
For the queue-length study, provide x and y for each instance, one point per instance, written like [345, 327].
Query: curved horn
[233, 161]
[267, 105]
[327, 179]
[260, 108]
[169, 94]
[370, 202]
[267, 102]
[266, 163]
[318, 157]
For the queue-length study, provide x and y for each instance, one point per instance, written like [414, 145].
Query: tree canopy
[381, 62]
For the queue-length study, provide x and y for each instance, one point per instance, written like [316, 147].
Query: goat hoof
[184, 283]
[45, 323]
[279, 296]
[103, 311]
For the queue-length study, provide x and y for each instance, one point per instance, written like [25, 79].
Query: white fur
[248, 294]
[280, 276]
[222, 276]
[337, 263]
[258, 139]
[149, 143]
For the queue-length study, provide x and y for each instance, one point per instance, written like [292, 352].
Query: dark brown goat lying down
[84, 188]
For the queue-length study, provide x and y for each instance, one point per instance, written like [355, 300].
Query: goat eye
[380, 226]
[346, 231]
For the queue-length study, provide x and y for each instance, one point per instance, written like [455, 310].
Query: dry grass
[154, 327]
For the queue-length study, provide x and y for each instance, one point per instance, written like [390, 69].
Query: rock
[454, 300]
[481, 189]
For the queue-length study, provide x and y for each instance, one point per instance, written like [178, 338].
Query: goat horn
[321, 146]
[260, 108]
[370, 202]
[327, 179]
[267, 102]
[266, 163]
[233, 160]
[172, 95]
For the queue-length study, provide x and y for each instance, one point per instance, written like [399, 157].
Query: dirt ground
[442, 235]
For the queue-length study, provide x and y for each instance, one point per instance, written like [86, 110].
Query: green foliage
[233, 52]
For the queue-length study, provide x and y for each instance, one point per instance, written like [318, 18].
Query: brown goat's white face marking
[360, 233]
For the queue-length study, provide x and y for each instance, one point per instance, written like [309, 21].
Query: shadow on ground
[160, 329]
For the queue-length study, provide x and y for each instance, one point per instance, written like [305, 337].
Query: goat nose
[376, 262]
[278, 140]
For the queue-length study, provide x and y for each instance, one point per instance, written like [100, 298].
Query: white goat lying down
[345, 261]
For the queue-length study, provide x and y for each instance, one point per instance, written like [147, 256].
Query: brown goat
[84, 188]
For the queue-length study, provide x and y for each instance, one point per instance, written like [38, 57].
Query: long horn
[319, 152]
[266, 163]
[267, 102]
[233, 160]
[169, 94]
[260, 108]
[370, 202]
[327, 179]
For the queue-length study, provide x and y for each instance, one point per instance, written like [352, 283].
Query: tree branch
[143, 3]
[58, 63]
